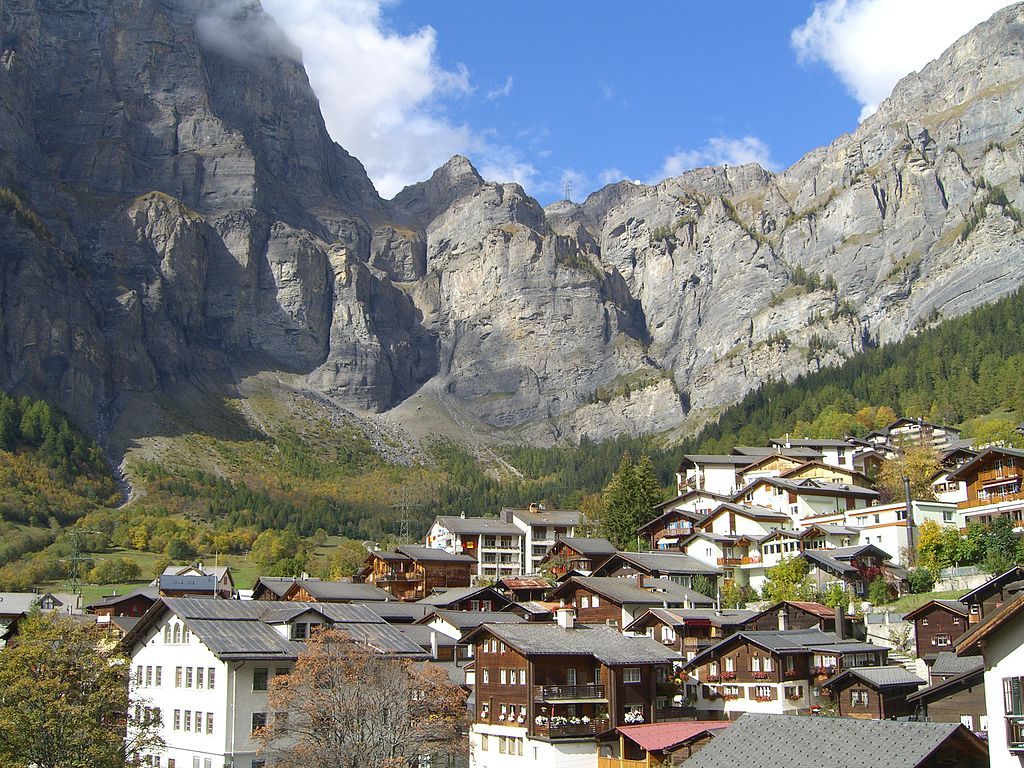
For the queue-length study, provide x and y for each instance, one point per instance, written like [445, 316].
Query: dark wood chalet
[956, 699]
[412, 572]
[523, 589]
[564, 681]
[134, 603]
[856, 566]
[937, 625]
[792, 614]
[984, 600]
[576, 554]
[873, 693]
[467, 599]
[688, 632]
[994, 485]
[676, 566]
[619, 600]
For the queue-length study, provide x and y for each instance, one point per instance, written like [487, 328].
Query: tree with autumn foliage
[918, 463]
[348, 706]
[65, 702]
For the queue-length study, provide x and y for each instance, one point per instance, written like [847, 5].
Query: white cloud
[720, 150]
[871, 44]
[504, 164]
[610, 176]
[380, 91]
[503, 91]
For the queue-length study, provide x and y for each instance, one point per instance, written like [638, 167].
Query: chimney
[566, 617]
[640, 581]
[840, 622]
[433, 645]
[462, 514]
[534, 506]
[783, 619]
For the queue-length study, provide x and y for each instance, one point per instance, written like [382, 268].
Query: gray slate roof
[880, 677]
[787, 641]
[676, 617]
[17, 603]
[568, 517]
[396, 612]
[605, 644]
[667, 562]
[457, 594]
[419, 552]
[150, 592]
[590, 545]
[466, 620]
[948, 664]
[822, 742]
[344, 591]
[624, 590]
[478, 525]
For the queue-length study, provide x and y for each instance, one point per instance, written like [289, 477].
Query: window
[167, 633]
[668, 634]
[177, 719]
[279, 671]
[177, 633]
[1013, 696]
[259, 764]
[730, 664]
[159, 675]
[487, 676]
[941, 640]
[177, 677]
[790, 664]
[259, 678]
[859, 698]
[170, 762]
[522, 677]
[767, 663]
[281, 721]
[138, 675]
[584, 602]
[570, 676]
[595, 602]
[501, 745]
[209, 722]
[207, 762]
[188, 719]
[195, 762]
[631, 675]
[259, 720]
[502, 676]
[188, 677]
[755, 663]
[967, 720]
[199, 677]
[764, 692]
[209, 678]
[483, 742]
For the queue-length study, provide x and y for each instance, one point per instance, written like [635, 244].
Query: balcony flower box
[728, 675]
[762, 698]
[730, 696]
[761, 675]
[824, 670]
[713, 678]
[794, 697]
[791, 673]
[633, 718]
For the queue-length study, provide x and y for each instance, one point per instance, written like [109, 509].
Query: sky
[550, 93]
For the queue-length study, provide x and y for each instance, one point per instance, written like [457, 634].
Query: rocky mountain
[175, 218]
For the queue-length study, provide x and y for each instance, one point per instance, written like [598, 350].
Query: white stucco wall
[1004, 657]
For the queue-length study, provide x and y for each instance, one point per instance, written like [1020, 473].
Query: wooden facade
[406, 578]
[796, 615]
[855, 698]
[592, 608]
[959, 699]
[937, 625]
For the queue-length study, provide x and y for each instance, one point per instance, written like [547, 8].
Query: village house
[778, 672]
[885, 525]
[524, 589]
[835, 453]
[956, 693]
[205, 666]
[411, 572]
[993, 480]
[546, 692]
[496, 545]
[655, 744]
[195, 580]
[873, 693]
[689, 631]
[946, 489]
[467, 599]
[794, 614]
[133, 603]
[809, 742]
[617, 601]
[716, 474]
[854, 568]
[675, 518]
[938, 624]
[674, 566]
[15, 606]
[317, 591]
[271, 587]
[575, 553]
[999, 640]
[541, 528]
[984, 600]
[909, 433]
[805, 499]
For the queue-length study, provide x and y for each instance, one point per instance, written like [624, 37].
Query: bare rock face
[173, 211]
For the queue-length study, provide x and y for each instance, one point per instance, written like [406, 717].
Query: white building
[496, 544]
[541, 529]
[1000, 640]
[206, 665]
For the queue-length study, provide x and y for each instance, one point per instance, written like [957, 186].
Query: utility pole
[568, 189]
[404, 505]
[74, 583]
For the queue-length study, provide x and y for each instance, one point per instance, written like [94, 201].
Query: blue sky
[545, 91]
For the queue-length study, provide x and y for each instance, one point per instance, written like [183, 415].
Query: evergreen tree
[629, 500]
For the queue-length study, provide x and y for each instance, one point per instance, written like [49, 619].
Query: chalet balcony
[569, 693]
[569, 730]
[1000, 474]
[699, 642]
[670, 714]
[992, 498]
[618, 762]
[1015, 733]
[398, 576]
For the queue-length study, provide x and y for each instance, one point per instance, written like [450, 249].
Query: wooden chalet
[655, 744]
[272, 587]
[795, 614]
[956, 698]
[994, 486]
[856, 566]
[576, 553]
[937, 625]
[523, 589]
[134, 603]
[467, 599]
[688, 632]
[676, 566]
[617, 600]
[317, 591]
[412, 572]
[985, 600]
[560, 681]
[873, 693]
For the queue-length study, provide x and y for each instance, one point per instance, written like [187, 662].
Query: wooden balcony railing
[1015, 733]
[1000, 473]
[993, 498]
[667, 714]
[590, 692]
[571, 731]
[618, 762]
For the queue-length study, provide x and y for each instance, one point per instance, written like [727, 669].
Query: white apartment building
[497, 545]
[541, 529]
[206, 665]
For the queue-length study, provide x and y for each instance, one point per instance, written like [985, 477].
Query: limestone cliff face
[173, 213]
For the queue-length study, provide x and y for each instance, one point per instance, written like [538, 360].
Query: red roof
[655, 737]
[526, 583]
[816, 608]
